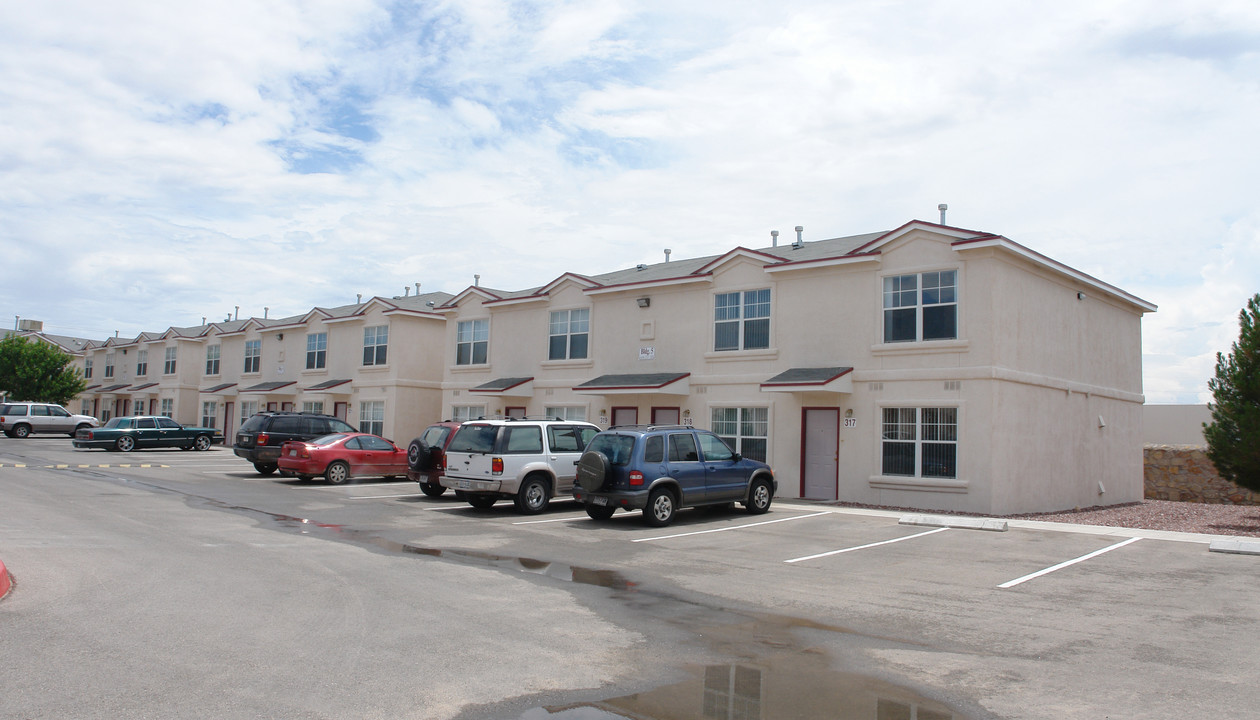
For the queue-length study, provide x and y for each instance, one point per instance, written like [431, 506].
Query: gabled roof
[541, 293]
[474, 291]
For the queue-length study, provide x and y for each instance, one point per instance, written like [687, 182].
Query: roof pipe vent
[774, 238]
[265, 311]
[800, 239]
[358, 297]
[417, 289]
[942, 207]
[667, 252]
[237, 315]
[476, 281]
[640, 267]
[406, 291]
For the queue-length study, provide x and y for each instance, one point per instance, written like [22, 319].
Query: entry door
[341, 410]
[625, 416]
[227, 416]
[820, 460]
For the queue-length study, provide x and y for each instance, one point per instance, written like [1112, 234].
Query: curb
[5, 581]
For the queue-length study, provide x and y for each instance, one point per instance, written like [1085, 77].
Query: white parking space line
[343, 487]
[1060, 566]
[549, 520]
[869, 545]
[381, 497]
[734, 527]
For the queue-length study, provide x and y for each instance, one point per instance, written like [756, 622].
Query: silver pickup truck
[525, 461]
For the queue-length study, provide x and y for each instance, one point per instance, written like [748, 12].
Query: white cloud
[155, 162]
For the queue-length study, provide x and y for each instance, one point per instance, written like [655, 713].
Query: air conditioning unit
[31, 325]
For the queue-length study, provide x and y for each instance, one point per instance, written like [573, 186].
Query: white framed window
[316, 350]
[313, 406]
[87, 368]
[745, 429]
[920, 442]
[741, 320]
[168, 407]
[372, 417]
[923, 306]
[375, 345]
[253, 356]
[168, 365]
[249, 408]
[472, 342]
[109, 365]
[209, 408]
[212, 360]
[85, 407]
[568, 334]
[464, 413]
[566, 412]
[142, 363]
[138, 406]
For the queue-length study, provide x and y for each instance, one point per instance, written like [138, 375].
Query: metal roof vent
[774, 238]
[640, 267]
[800, 239]
[942, 207]
[667, 252]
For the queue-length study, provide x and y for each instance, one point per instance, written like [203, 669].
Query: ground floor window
[85, 408]
[566, 412]
[372, 417]
[313, 406]
[168, 407]
[209, 409]
[746, 430]
[249, 408]
[920, 442]
[464, 413]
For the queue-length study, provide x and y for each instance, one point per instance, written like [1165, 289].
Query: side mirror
[736, 457]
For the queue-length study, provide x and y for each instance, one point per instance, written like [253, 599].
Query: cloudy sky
[165, 162]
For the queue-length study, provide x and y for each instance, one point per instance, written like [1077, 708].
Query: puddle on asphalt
[783, 687]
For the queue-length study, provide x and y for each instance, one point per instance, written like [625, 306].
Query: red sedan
[342, 456]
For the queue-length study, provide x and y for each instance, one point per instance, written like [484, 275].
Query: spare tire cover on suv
[592, 470]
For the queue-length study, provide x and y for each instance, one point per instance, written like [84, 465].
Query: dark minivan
[261, 436]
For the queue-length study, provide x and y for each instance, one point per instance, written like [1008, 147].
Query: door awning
[507, 387]
[637, 384]
[217, 389]
[273, 388]
[821, 379]
[145, 386]
[113, 388]
[327, 385]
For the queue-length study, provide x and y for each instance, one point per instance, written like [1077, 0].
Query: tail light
[636, 478]
[261, 439]
[496, 466]
[305, 452]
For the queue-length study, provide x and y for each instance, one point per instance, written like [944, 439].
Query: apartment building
[929, 366]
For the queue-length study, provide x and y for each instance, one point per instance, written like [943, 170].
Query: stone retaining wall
[1184, 473]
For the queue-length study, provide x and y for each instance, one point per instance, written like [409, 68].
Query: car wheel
[432, 489]
[660, 508]
[600, 512]
[759, 497]
[126, 443]
[592, 470]
[481, 502]
[337, 473]
[533, 496]
[415, 452]
[202, 443]
[21, 431]
[265, 468]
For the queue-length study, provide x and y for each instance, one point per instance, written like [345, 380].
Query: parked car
[660, 469]
[525, 461]
[340, 457]
[259, 438]
[426, 457]
[19, 419]
[124, 434]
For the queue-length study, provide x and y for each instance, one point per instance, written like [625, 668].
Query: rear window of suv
[474, 439]
[616, 448]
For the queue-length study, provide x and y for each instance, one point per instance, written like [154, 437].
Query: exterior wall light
[644, 302]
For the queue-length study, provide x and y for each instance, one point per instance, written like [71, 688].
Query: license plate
[465, 484]
[293, 453]
[597, 500]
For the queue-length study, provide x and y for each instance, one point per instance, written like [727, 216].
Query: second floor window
[253, 356]
[212, 359]
[142, 363]
[375, 345]
[741, 320]
[316, 350]
[168, 368]
[568, 334]
[109, 365]
[472, 342]
[921, 307]
[87, 369]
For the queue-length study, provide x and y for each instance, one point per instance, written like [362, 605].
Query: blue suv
[661, 468]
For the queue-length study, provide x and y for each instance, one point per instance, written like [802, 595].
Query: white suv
[17, 420]
[526, 461]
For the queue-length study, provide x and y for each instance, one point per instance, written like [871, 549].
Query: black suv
[261, 436]
[661, 468]
[426, 456]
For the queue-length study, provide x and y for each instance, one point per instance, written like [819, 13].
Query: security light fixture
[644, 302]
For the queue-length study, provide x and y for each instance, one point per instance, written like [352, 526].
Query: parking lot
[1132, 623]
